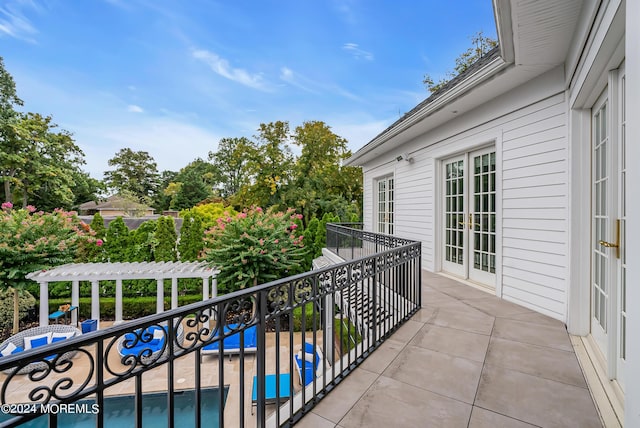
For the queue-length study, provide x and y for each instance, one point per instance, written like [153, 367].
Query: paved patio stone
[481, 418]
[536, 318]
[538, 401]
[451, 341]
[407, 331]
[390, 403]
[494, 306]
[535, 334]
[441, 373]
[383, 356]
[466, 292]
[336, 405]
[554, 364]
[470, 360]
[311, 420]
[470, 320]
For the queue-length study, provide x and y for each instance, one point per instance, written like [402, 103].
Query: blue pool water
[118, 411]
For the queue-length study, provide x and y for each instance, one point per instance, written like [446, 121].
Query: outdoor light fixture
[404, 156]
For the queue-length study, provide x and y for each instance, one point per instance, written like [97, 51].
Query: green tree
[31, 241]
[97, 225]
[191, 241]
[209, 213]
[116, 241]
[272, 167]
[165, 239]
[85, 188]
[232, 161]
[253, 248]
[192, 190]
[38, 160]
[322, 184]
[481, 46]
[142, 242]
[8, 115]
[135, 172]
[162, 198]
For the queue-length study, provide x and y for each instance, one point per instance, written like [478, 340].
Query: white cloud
[222, 67]
[135, 109]
[296, 79]
[14, 23]
[171, 142]
[356, 52]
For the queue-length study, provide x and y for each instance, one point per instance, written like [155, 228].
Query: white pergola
[96, 272]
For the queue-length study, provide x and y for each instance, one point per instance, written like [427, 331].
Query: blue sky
[174, 77]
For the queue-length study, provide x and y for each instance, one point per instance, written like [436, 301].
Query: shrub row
[132, 307]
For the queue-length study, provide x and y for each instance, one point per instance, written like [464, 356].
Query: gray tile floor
[467, 359]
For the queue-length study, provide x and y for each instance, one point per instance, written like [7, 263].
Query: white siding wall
[533, 163]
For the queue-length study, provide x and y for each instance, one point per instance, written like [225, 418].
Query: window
[385, 205]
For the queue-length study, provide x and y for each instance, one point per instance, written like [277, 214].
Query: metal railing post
[260, 359]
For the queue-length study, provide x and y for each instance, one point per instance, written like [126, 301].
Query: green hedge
[132, 307]
[350, 336]
[308, 323]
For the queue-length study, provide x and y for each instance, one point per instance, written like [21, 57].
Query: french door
[469, 220]
[608, 209]
[385, 202]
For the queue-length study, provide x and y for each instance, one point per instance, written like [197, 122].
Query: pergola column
[95, 301]
[160, 295]
[118, 301]
[174, 293]
[205, 289]
[44, 303]
[75, 300]
[214, 287]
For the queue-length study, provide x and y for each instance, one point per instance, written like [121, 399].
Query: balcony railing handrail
[397, 260]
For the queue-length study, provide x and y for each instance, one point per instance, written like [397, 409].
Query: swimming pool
[119, 411]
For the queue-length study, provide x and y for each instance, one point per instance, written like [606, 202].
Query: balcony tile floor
[466, 359]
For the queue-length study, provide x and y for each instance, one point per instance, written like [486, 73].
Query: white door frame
[446, 228]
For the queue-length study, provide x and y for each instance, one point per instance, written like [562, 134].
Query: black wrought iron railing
[350, 241]
[257, 357]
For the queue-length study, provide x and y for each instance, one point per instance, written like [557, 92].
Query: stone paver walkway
[467, 359]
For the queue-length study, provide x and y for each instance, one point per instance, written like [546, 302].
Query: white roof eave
[459, 90]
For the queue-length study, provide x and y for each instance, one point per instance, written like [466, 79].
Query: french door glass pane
[484, 178]
[454, 212]
[600, 218]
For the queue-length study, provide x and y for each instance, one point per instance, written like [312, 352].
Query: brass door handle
[470, 222]
[616, 244]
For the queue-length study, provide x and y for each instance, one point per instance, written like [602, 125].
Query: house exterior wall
[528, 129]
[632, 393]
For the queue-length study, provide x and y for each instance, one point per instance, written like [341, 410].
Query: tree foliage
[116, 241]
[165, 240]
[233, 162]
[135, 172]
[481, 44]
[254, 247]
[38, 160]
[191, 241]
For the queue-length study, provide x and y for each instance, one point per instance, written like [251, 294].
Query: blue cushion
[57, 339]
[18, 349]
[39, 342]
[233, 342]
[270, 387]
[308, 348]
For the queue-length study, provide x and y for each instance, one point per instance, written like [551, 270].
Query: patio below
[466, 359]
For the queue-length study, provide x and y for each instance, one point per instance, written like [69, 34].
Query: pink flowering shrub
[254, 247]
[31, 241]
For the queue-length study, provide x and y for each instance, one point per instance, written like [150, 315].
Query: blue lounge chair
[232, 343]
[148, 343]
[271, 396]
[308, 359]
